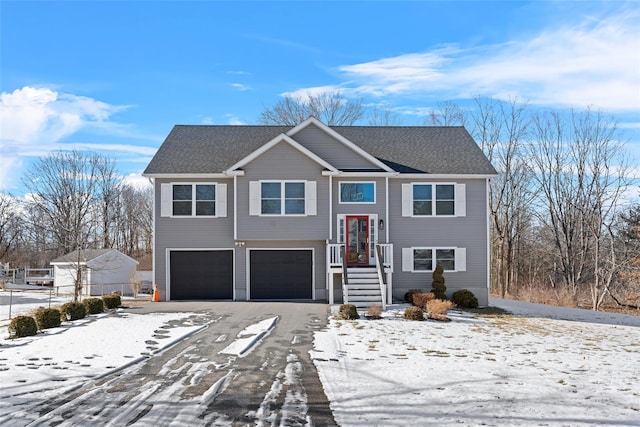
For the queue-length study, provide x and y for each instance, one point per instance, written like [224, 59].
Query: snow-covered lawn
[542, 366]
[504, 370]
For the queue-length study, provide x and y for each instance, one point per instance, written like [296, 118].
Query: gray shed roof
[85, 255]
[201, 149]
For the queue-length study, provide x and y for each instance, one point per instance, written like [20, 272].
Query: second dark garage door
[201, 275]
[281, 274]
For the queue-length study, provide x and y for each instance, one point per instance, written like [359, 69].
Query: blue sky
[114, 77]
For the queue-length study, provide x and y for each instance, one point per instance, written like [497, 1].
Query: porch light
[381, 224]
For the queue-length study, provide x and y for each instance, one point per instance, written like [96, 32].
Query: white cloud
[40, 115]
[234, 120]
[37, 120]
[592, 63]
[241, 87]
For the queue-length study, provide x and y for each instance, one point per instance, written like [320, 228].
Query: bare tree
[446, 113]
[64, 188]
[500, 129]
[384, 117]
[135, 220]
[581, 174]
[331, 108]
[10, 228]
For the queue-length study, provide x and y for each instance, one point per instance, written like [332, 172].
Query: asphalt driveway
[276, 383]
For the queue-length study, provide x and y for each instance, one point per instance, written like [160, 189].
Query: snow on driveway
[542, 366]
[579, 368]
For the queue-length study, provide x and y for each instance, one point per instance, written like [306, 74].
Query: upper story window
[194, 200]
[357, 192]
[282, 198]
[433, 199]
[202, 199]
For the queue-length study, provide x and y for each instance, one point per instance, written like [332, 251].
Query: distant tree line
[75, 200]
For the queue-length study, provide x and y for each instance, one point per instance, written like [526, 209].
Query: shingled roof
[203, 149]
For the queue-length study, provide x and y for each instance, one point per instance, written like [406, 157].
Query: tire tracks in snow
[241, 370]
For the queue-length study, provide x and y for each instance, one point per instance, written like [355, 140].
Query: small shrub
[349, 312]
[421, 299]
[413, 313]
[22, 326]
[47, 318]
[73, 311]
[93, 305]
[437, 309]
[437, 286]
[112, 301]
[408, 296]
[374, 311]
[464, 298]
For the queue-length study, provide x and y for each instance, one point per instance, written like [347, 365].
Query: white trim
[283, 199]
[340, 138]
[278, 139]
[371, 219]
[221, 200]
[153, 238]
[167, 199]
[429, 176]
[386, 210]
[350, 174]
[167, 262]
[313, 267]
[330, 207]
[189, 175]
[460, 256]
[407, 199]
[460, 200]
[255, 205]
[310, 198]
[488, 213]
[235, 208]
[340, 202]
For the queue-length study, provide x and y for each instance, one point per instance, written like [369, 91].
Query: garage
[281, 274]
[201, 275]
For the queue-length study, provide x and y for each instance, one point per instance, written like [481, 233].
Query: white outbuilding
[103, 271]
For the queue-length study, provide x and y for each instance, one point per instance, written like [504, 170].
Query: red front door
[357, 240]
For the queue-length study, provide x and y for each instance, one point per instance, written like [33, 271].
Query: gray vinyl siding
[331, 150]
[468, 232]
[319, 264]
[379, 208]
[189, 233]
[283, 162]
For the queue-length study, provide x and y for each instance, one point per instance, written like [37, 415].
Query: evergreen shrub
[112, 301]
[464, 298]
[47, 318]
[93, 305]
[22, 326]
[73, 311]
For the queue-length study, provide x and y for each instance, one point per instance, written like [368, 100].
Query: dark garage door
[201, 275]
[281, 274]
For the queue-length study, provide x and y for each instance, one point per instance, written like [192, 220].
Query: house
[356, 214]
[103, 271]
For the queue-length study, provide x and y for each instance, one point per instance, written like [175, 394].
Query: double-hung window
[426, 259]
[282, 198]
[433, 199]
[184, 200]
[194, 200]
